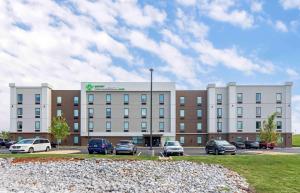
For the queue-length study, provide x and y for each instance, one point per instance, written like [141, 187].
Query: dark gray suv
[219, 147]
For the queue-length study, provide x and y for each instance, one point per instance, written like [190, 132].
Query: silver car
[126, 147]
[173, 147]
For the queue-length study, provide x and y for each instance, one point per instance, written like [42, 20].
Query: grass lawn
[265, 173]
[296, 140]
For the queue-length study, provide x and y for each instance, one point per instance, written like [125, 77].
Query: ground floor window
[20, 138]
[199, 140]
[137, 140]
[76, 139]
[181, 139]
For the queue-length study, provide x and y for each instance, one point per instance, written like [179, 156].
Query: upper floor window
[76, 100]
[181, 100]
[90, 99]
[161, 112]
[181, 113]
[91, 112]
[239, 112]
[91, 126]
[199, 113]
[258, 98]
[37, 112]
[76, 126]
[76, 113]
[20, 99]
[199, 100]
[181, 126]
[239, 126]
[108, 112]
[143, 98]
[258, 126]
[108, 99]
[239, 98]
[278, 98]
[278, 111]
[143, 112]
[58, 100]
[219, 112]
[19, 126]
[108, 126]
[258, 112]
[58, 113]
[126, 99]
[37, 126]
[126, 112]
[37, 99]
[219, 99]
[161, 126]
[199, 127]
[219, 126]
[279, 126]
[144, 126]
[161, 99]
[126, 126]
[20, 112]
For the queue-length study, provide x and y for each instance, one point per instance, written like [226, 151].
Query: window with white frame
[37, 126]
[76, 113]
[58, 113]
[239, 126]
[199, 100]
[59, 100]
[278, 98]
[199, 140]
[108, 112]
[161, 112]
[181, 126]
[161, 126]
[76, 100]
[90, 99]
[126, 99]
[37, 112]
[20, 99]
[126, 126]
[258, 112]
[219, 127]
[19, 126]
[199, 113]
[279, 111]
[91, 112]
[239, 111]
[219, 99]
[161, 99]
[144, 113]
[181, 113]
[108, 99]
[258, 98]
[199, 127]
[181, 100]
[279, 126]
[143, 98]
[37, 99]
[76, 126]
[219, 112]
[239, 98]
[181, 140]
[91, 126]
[108, 126]
[20, 112]
[144, 126]
[126, 112]
[258, 126]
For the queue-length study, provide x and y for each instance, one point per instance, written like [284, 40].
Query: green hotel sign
[99, 87]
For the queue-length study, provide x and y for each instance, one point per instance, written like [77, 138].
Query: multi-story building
[122, 111]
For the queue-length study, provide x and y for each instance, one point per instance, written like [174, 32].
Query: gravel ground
[104, 175]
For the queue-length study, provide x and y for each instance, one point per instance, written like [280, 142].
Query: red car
[266, 145]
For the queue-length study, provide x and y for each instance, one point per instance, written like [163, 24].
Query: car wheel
[181, 154]
[206, 151]
[132, 153]
[90, 152]
[31, 150]
[233, 153]
[117, 153]
[105, 152]
[47, 149]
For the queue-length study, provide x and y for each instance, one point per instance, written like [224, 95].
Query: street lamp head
[151, 69]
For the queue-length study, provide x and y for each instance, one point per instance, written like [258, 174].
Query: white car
[173, 147]
[31, 145]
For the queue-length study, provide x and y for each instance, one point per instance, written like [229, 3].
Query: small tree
[268, 132]
[59, 129]
[4, 135]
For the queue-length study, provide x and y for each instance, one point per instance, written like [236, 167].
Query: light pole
[151, 148]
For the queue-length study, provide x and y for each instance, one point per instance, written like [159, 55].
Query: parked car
[125, 146]
[219, 147]
[252, 144]
[266, 145]
[9, 143]
[173, 148]
[100, 146]
[30, 145]
[3, 141]
[239, 144]
[53, 145]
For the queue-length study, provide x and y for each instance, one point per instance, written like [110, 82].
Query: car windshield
[124, 143]
[26, 141]
[173, 143]
[95, 141]
[222, 142]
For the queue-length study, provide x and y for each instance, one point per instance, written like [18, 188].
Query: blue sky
[190, 42]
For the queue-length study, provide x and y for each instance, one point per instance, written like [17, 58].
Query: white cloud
[256, 6]
[290, 4]
[296, 113]
[173, 38]
[280, 26]
[187, 2]
[223, 11]
[293, 74]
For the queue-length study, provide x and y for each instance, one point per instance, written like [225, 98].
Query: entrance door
[155, 141]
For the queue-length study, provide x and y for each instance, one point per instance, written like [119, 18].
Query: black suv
[100, 146]
[219, 147]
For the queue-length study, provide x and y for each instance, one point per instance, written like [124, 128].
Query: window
[143, 112]
[199, 100]
[76, 140]
[161, 126]
[181, 127]
[20, 112]
[126, 113]
[144, 126]
[58, 113]
[161, 99]
[108, 99]
[76, 127]
[126, 126]
[126, 99]
[108, 126]
[199, 113]
[37, 112]
[279, 126]
[76, 113]
[58, 100]
[258, 126]
[143, 99]
[258, 98]
[37, 126]
[258, 112]
[108, 112]
[19, 126]
[199, 127]
[76, 100]
[181, 113]
[239, 98]
[161, 112]
[239, 126]
[199, 140]
[91, 112]
[37, 99]
[91, 126]
[181, 139]
[279, 111]
[278, 98]
[239, 112]
[219, 126]
[90, 99]
[181, 100]
[219, 112]
[20, 99]
[219, 99]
